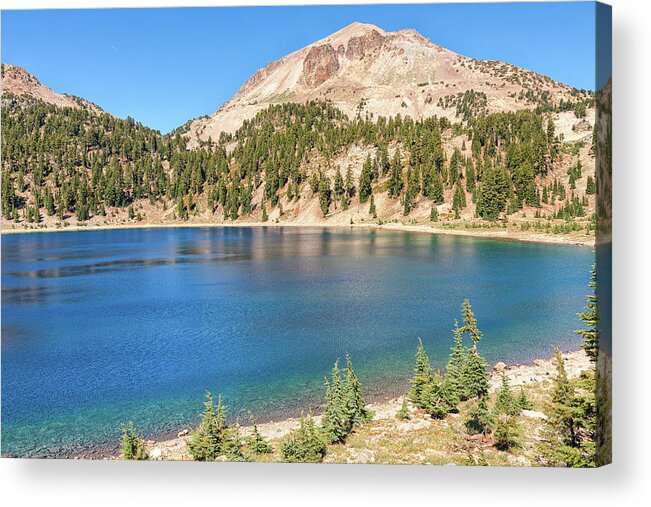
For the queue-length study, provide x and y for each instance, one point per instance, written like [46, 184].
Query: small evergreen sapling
[257, 443]
[133, 447]
[335, 419]
[356, 411]
[404, 413]
[303, 445]
[422, 377]
[506, 402]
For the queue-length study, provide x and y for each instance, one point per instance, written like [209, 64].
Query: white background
[626, 482]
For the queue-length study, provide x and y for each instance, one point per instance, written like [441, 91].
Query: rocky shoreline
[518, 375]
[496, 234]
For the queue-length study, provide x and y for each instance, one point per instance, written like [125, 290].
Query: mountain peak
[363, 69]
[20, 85]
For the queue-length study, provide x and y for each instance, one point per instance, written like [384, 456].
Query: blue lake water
[101, 327]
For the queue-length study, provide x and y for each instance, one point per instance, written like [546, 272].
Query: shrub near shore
[450, 417]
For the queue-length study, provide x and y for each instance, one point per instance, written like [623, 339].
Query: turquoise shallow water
[100, 327]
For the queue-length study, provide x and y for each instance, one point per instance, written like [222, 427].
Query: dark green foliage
[459, 199]
[422, 378]
[372, 209]
[257, 443]
[304, 445]
[480, 418]
[568, 438]
[434, 214]
[324, 195]
[591, 187]
[523, 401]
[590, 317]
[440, 397]
[213, 437]
[506, 403]
[493, 193]
[395, 176]
[507, 432]
[457, 364]
[355, 407]
[475, 376]
[413, 188]
[404, 413]
[335, 421]
[470, 324]
[133, 447]
[365, 181]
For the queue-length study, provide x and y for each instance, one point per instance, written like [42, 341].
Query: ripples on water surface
[101, 327]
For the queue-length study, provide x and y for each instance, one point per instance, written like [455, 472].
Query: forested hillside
[306, 163]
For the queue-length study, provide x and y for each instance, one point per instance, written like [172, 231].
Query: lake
[101, 327]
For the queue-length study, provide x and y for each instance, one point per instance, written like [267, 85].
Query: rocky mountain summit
[22, 87]
[363, 69]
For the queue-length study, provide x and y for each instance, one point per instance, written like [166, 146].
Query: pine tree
[568, 438]
[303, 445]
[523, 401]
[211, 438]
[257, 443]
[356, 411]
[422, 377]
[404, 413]
[365, 190]
[335, 419]
[372, 209]
[339, 189]
[133, 447]
[591, 187]
[457, 364]
[590, 317]
[395, 176]
[480, 418]
[470, 324]
[265, 217]
[434, 214]
[507, 432]
[440, 397]
[506, 402]
[324, 195]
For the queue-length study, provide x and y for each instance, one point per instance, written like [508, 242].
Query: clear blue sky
[165, 66]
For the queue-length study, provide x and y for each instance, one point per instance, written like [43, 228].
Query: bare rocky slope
[363, 69]
[21, 86]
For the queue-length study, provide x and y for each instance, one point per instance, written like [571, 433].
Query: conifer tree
[339, 189]
[211, 439]
[523, 401]
[480, 418]
[257, 443]
[404, 413]
[365, 181]
[372, 209]
[356, 410]
[303, 445]
[133, 447]
[507, 432]
[422, 377]
[456, 363]
[470, 324]
[506, 402]
[434, 214]
[440, 397]
[568, 438]
[590, 317]
[335, 419]
[395, 176]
